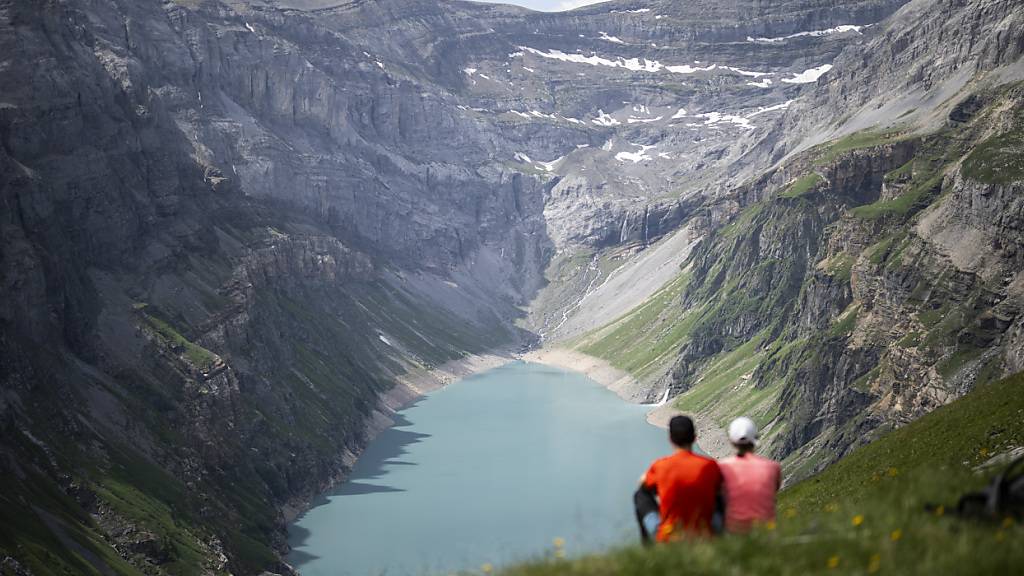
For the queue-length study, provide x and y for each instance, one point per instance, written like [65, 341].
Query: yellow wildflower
[858, 519]
[874, 563]
[893, 472]
[831, 507]
[983, 452]
[559, 542]
[487, 568]
[896, 535]
[769, 525]
[940, 510]
[833, 562]
[790, 512]
[1007, 522]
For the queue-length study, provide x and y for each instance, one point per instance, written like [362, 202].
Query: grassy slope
[865, 514]
[143, 494]
[646, 338]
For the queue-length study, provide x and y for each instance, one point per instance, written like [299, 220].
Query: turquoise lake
[490, 469]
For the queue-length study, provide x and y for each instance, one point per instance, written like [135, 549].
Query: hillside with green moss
[886, 508]
[838, 299]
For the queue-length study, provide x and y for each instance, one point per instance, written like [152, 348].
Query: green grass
[917, 197]
[647, 337]
[740, 223]
[845, 323]
[801, 186]
[830, 152]
[196, 355]
[840, 267]
[866, 513]
[998, 160]
[879, 252]
[903, 172]
[963, 356]
[725, 388]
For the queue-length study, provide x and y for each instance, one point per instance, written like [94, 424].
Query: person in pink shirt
[750, 482]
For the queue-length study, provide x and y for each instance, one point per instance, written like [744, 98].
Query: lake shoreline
[413, 386]
[408, 389]
[563, 430]
[712, 437]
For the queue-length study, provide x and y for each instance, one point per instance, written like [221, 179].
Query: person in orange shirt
[751, 481]
[679, 494]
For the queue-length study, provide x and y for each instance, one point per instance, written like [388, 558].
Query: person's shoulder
[706, 461]
[769, 464]
[661, 461]
[767, 461]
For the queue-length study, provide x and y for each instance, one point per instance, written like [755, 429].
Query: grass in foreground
[866, 514]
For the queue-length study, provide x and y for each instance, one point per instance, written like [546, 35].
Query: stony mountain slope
[873, 272]
[229, 227]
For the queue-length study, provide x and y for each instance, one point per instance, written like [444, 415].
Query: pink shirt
[750, 484]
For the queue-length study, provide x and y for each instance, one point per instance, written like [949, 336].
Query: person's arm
[645, 502]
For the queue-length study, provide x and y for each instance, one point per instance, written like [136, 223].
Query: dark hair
[681, 431]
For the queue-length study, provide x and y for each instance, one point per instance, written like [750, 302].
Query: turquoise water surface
[490, 469]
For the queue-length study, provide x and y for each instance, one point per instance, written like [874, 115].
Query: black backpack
[1003, 497]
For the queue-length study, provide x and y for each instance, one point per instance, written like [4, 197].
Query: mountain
[237, 234]
[871, 272]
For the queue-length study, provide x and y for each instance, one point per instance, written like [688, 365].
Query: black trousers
[644, 502]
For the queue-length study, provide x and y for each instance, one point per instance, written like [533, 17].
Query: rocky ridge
[870, 275]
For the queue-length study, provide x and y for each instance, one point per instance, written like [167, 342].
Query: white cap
[743, 431]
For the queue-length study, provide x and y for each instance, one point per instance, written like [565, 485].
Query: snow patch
[635, 157]
[469, 71]
[712, 118]
[249, 26]
[766, 83]
[808, 76]
[681, 113]
[634, 64]
[550, 166]
[826, 32]
[384, 339]
[604, 36]
[746, 72]
[760, 111]
[604, 119]
[634, 120]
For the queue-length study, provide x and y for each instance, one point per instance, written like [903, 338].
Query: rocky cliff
[871, 272]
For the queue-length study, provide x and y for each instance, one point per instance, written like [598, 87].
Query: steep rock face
[197, 324]
[866, 271]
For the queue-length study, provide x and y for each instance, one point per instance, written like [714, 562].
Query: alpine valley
[236, 235]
